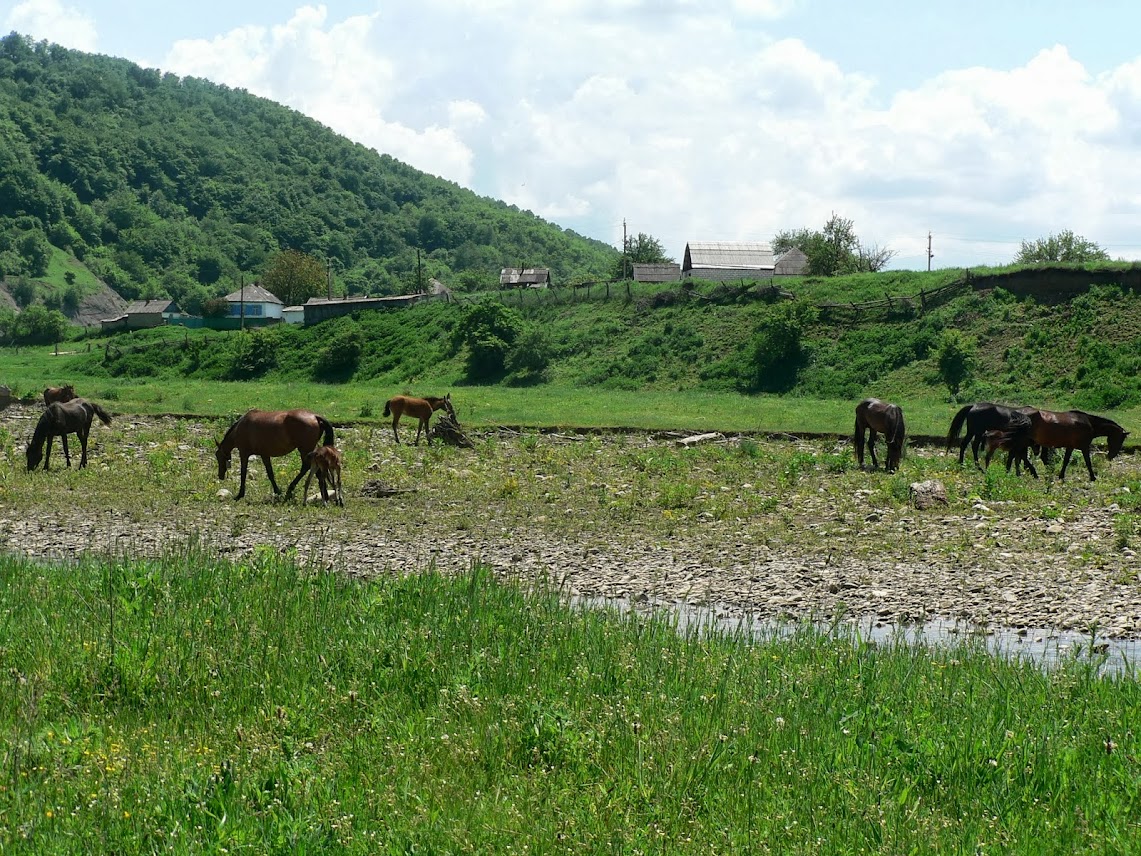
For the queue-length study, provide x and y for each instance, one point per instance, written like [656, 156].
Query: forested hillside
[174, 186]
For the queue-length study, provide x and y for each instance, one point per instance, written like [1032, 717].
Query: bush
[777, 352]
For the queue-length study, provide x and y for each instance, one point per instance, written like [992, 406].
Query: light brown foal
[325, 463]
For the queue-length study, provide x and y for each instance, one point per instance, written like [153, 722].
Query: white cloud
[691, 121]
[51, 20]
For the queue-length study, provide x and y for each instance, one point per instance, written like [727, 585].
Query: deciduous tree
[1062, 247]
[294, 277]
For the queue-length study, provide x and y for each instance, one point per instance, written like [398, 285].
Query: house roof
[150, 307]
[737, 255]
[524, 276]
[252, 294]
[657, 273]
[792, 261]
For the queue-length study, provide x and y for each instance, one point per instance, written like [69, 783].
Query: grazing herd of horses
[1018, 431]
[268, 434]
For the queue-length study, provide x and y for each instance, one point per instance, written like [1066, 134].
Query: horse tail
[103, 415]
[387, 412]
[957, 424]
[327, 427]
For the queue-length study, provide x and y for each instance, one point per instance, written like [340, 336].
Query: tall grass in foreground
[187, 704]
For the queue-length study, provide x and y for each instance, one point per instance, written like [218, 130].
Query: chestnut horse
[325, 463]
[59, 420]
[421, 408]
[271, 434]
[62, 394]
[873, 415]
[1075, 429]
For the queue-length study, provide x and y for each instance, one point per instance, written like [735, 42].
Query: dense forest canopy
[164, 185]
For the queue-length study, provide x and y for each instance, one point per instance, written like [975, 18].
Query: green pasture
[189, 705]
[32, 368]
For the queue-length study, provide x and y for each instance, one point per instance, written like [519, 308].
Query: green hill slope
[161, 184]
[1084, 351]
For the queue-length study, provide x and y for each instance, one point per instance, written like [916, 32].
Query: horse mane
[229, 432]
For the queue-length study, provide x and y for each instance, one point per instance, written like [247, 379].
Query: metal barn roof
[737, 255]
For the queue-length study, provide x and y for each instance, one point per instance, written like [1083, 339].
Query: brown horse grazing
[1016, 442]
[271, 434]
[873, 415]
[325, 462]
[1075, 429]
[59, 420]
[421, 408]
[62, 394]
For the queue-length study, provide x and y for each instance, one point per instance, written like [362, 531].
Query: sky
[979, 124]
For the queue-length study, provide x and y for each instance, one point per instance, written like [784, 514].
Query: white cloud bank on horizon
[692, 123]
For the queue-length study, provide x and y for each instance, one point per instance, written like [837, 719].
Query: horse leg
[1026, 460]
[1089, 464]
[337, 486]
[427, 430]
[395, 422]
[245, 466]
[265, 459]
[305, 492]
[1065, 463]
[323, 484]
[976, 444]
[859, 440]
[306, 466]
[82, 447]
[420, 427]
[48, 453]
[872, 447]
[963, 448]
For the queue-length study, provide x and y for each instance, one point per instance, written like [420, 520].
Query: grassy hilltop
[560, 351]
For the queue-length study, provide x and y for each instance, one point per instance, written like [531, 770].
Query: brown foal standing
[325, 462]
[421, 408]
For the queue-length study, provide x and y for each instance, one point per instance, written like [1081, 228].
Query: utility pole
[242, 305]
[930, 255]
[625, 247]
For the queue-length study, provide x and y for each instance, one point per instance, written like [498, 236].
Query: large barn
[719, 261]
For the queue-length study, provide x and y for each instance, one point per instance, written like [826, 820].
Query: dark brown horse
[271, 434]
[59, 420]
[1075, 429]
[62, 394]
[325, 463]
[421, 408]
[982, 417]
[873, 415]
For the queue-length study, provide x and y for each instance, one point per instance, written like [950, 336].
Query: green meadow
[188, 705]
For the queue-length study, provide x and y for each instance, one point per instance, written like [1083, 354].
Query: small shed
[525, 278]
[253, 301]
[792, 262]
[142, 314]
[719, 261]
[293, 314]
[670, 272]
